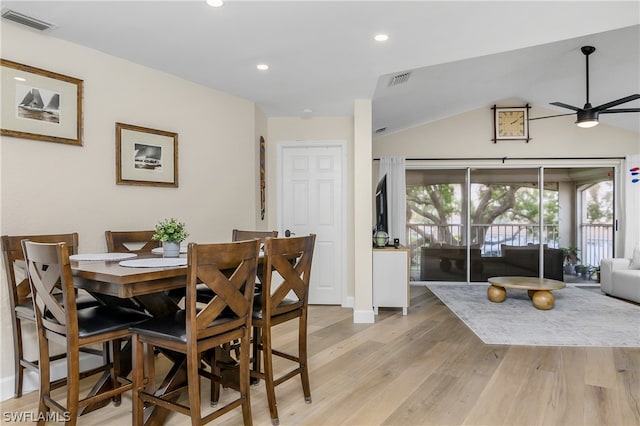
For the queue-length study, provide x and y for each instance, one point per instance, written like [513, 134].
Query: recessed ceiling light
[262, 67]
[215, 3]
[381, 37]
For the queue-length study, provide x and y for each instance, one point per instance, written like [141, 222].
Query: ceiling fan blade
[560, 104]
[552, 116]
[612, 111]
[626, 99]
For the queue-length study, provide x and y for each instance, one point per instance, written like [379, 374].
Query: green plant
[571, 254]
[170, 230]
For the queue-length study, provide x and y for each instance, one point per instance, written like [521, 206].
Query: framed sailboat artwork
[40, 105]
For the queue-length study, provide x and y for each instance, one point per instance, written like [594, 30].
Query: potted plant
[570, 258]
[171, 233]
[586, 271]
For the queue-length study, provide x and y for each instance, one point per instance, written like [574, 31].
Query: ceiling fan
[587, 116]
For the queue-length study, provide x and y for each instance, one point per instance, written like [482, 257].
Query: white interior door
[311, 201]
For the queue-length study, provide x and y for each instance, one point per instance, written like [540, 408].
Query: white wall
[53, 188]
[469, 135]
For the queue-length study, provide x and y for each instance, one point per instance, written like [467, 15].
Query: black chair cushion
[86, 301]
[257, 306]
[172, 326]
[104, 319]
[25, 310]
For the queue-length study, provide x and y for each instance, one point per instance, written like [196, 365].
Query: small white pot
[170, 249]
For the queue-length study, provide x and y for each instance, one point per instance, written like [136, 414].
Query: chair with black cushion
[239, 235]
[21, 302]
[287, 261]
[49, 268]
[131, 241]
[229, 270]
[204, 293]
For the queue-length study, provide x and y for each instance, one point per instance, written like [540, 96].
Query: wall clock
[511, 123]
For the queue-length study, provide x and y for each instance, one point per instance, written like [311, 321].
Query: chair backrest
[131, 241]
[19, 290]
[49, 270]
[289, 259]
[238, 235]
[229, 270]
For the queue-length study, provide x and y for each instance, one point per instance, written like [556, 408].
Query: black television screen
[381, 205]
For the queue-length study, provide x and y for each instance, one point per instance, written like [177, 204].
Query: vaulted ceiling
[321, 54]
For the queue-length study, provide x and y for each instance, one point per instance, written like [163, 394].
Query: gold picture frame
[146, 156]
[40, 105]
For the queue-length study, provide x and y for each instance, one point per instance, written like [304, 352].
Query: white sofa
[620, 278]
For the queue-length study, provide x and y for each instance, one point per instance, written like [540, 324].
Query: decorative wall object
[40, 105]
[146, 156]
[511, 123]
[262, 179]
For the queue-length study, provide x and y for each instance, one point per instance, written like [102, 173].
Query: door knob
[288, 233]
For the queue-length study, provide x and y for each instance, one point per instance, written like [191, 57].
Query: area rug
[579, 317]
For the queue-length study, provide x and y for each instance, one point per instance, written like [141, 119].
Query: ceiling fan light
[587, 118]
[585, 124]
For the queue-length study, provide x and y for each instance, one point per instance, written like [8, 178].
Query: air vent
[381, 130]
[25, 20]
[399, 79]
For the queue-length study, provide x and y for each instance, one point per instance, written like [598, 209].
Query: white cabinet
[391, 278]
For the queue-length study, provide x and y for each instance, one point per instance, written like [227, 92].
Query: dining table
[156, 290]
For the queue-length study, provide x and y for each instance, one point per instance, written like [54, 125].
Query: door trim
[342, 144]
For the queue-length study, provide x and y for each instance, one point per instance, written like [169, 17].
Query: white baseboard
[363, 317]
[30, 382]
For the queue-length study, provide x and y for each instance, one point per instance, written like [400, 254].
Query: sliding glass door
[436, 209]
[466, 225]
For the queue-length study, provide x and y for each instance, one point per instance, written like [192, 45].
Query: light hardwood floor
[428, 368]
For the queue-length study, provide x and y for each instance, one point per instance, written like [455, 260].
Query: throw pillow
[635, 260]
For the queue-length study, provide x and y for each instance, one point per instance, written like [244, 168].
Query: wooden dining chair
[287, 261]
[49, 268]
[205, 293]
[229, 270]
[240, 235]
[131, 241]
[21, 303]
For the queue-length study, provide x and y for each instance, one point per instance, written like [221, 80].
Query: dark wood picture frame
[147, 157]
[40, 105]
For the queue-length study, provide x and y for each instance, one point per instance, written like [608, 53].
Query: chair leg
[215, 370]
[17, 356]
[73, 387]
[244, 358]
[302, 356]
[138, 380]
[257, 342]
[150, 369]
[45, 379]
[115, 368]
[268, 376]
[193, 379]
